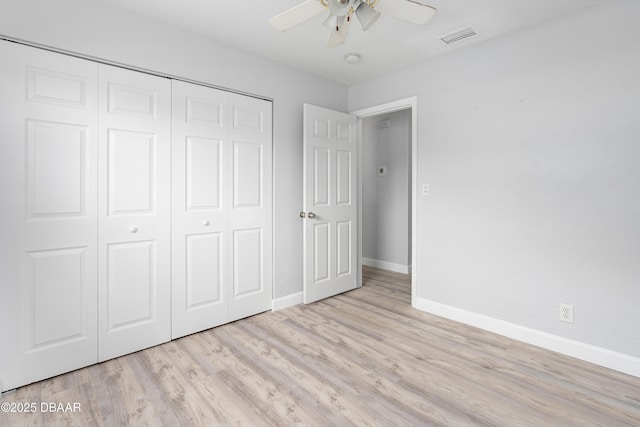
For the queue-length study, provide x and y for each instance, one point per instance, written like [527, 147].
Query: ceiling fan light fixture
[367, 15]
[332, 22]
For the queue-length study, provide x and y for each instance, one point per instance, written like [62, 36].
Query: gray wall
[531, 145]
[92, 28]
[386, 200]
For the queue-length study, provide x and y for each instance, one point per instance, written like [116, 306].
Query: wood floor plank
[414, 378]
[323, 375]
[348, 372]
[313, 378]
[362, 358]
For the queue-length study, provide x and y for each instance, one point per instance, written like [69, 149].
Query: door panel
[245, 117]
[55, 159]
[132, 101]
[221, 209]
[250, 214]
[210, 112]
[344, 171]
[321, 255]
[55, 281]
[344, 248]
[48, 249]
[131, 286]
[331, 211]
[134, 213]
[321, 171]
[248, 252]
[199, 202]
[203, 173]
[321, 128]
[247, 175]
[56, 87]
[204, 267]
[131, 176]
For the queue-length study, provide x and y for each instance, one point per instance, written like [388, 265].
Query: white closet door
[48, 220]
[199, 202]
[250, 211]
[134, 211]
[222, 208]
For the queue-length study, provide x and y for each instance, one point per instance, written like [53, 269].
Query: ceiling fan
[341, 14]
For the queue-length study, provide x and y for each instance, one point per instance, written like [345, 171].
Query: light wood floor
[361, 358]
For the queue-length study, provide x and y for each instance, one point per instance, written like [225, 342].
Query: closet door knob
[133, 229]
[311, 215]
[206, 223]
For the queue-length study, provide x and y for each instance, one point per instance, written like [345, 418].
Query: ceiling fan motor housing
[340, 7]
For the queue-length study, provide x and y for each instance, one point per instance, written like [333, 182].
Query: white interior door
[48, 219]
[250, 211]
[134, 211]
[330, 203]
[199, 203]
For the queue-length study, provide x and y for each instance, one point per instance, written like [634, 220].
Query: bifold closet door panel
[134, 211]
[222, 208]
[48, 214]
[199, 203]
[250, 211]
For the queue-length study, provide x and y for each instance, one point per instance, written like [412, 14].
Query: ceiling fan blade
[406, 10]
[336, 38]
[297, 15]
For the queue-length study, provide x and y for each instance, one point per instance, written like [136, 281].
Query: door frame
[410, 103]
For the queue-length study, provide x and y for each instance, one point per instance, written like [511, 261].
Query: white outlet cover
[566, 313]
[425, 189]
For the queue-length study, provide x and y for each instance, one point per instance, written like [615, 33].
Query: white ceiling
[389, 45]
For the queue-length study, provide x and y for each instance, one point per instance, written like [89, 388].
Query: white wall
[94, 29]
[531, 146]
[386, 199]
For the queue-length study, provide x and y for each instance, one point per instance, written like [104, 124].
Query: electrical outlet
[566, 313]
[425, 189]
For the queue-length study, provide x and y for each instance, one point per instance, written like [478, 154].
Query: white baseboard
[288, 301]
[600, 356]
[398, 268]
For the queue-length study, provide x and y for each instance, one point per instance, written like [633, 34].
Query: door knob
[302, 214]
[206, 223]
[311, 215]
[133, 229]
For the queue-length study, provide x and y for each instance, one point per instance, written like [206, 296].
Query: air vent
[458, 35]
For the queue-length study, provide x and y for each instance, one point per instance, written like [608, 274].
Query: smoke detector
[352, 57]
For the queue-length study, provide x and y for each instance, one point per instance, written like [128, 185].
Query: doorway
[375, 119]
[386, 191]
